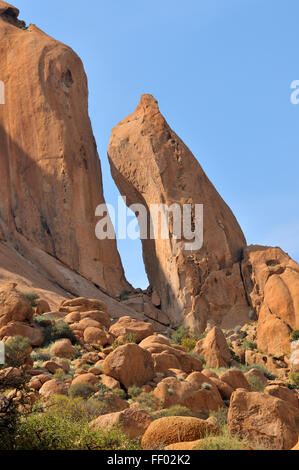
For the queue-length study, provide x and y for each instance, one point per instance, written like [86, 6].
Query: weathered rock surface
[151, 165]
[272, 282]
[130, 365]
[235, 379]
[46, 147]
[63, 348]
[214, 349]
[189, 393]
[268, 422]
[16, 316]
[166, 431]
[127, 325]
[157, 344]
[53, 387]
[133, 421]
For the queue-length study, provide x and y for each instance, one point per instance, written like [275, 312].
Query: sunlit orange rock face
[51, 180]
[151, 165]
[272, 282]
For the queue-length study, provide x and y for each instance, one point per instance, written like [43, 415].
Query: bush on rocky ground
[17, 350]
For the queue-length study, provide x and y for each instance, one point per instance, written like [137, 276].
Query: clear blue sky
[221, 71]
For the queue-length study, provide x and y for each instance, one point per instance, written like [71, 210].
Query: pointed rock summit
[151, 165]
[50, 172]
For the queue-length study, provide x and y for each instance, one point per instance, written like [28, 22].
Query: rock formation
[272, 282]
[51, 184]
[151, 165]
[51, 180]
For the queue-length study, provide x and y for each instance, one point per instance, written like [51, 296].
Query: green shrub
[221, 416]
[134, 391]
[130, 338]
[148, 401]
[206, 386]
[124, 295]
[256, 384]
[180, 333]
[249, 345]
[83, 390]
[176, 410]
[57, 331]
[16, 351]
[32, 297]
[55, 430]
[295, 335]
[237, 329]
[260, 367]
[10, 415]
[40, 355]
[198, 356]
[294, 379]
[234, 356]
[188, 343]
[119, 393]
[222, 442]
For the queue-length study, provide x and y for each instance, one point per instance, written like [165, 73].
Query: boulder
[82, 304]
[110, 382]
[284, 393]
[266, 421]
[99, 316]
[53, 387]
[157, 344]
[126, 325]
[37, 382]
[16, 328]
[130, 365]
[63, 348]
[133, 422]
[14, 306]
[169, 430]
[172, 391]
[42, 307]
[235, 379]
[86, 378]
[164, 361]
[256, 375]
[94, 335]
[192, 445]
[224, 388]
[271, 278]
[214, 349]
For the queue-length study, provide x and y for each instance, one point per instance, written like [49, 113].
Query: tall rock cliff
[151, 165]
[272, 281]
[50, 173]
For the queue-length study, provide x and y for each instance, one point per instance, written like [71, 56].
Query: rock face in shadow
[151, 165]
[50, 173]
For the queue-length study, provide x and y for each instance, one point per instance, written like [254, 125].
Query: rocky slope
[157, 390]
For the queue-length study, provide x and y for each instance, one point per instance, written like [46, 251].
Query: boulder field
[158, 389]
